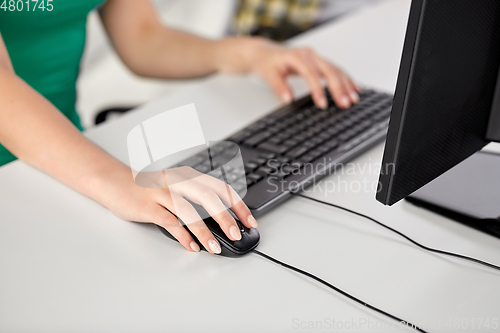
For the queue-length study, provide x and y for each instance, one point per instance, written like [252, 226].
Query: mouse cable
[477, 261]
[340, 291]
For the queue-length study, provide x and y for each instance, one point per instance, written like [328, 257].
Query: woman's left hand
[275, 63]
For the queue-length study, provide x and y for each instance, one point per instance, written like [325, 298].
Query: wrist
[107, 180]
[237, 54]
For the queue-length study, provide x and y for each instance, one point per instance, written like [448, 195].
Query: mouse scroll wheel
[240, 225]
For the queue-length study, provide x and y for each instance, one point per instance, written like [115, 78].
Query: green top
[45, 41]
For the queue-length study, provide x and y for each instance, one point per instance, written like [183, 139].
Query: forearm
[36, 132]
[151, 49]
[4, 57]
[167, 53]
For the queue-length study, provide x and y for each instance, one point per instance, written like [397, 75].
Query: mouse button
[241, 226]
[248, 240]
[213, 225]
[230, 211]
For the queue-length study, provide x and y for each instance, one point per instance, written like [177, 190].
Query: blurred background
[105, 83]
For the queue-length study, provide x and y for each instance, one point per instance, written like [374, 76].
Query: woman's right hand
[132, 202]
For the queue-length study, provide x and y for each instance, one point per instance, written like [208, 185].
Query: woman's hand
[132, 202]
[275, 63]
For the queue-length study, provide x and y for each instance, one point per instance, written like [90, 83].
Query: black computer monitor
[447, 100]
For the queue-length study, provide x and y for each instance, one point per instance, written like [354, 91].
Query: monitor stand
[468, 193]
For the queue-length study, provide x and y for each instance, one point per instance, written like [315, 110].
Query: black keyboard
[298, 144]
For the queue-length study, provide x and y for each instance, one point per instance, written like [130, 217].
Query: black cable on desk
[357, 300]
[477, 261]
[340, 291]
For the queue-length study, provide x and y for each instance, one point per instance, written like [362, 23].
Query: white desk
[68, 265]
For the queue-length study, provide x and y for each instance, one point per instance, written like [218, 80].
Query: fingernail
[194, 247]
[235, 232]
[214, 246]
[286, 97]
[346, 102]
[354, 97]
[322, 103]
[252, 221]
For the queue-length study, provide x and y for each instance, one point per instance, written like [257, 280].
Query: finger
[205, 196]
[351, 88]
[166, 220]
[277, 81]
[300, 65]
[231, 199]
[336, 84]
[193, 221]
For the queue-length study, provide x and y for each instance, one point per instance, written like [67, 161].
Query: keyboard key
[283, 159]
[381, 115]
[280, 175]
[325, 135]
[316, 130]
[254, 176]
[346, 123]
[309, 133]
[240, 187]
[317, 140]
[259, 161]
[316, 153]
[258, 138]
[297, 163]
[228, 168]
[265, 170]
[290, 168]
[290, 143]
[307, 158]
[250, 167]
[273, 130]
[282, 136]
[270, 120]
[299, 151]
[238, 171]
[347, 135]
[231, 177]
[280, 126]
[332, 144]
[273, 148]
[300, 137]
[274, 141]
[323, 149]
[241, 136]
[256, 127]
[310, 122]
[268, 156]
[273, 164]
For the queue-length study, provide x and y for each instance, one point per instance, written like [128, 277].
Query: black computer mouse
[249, 238]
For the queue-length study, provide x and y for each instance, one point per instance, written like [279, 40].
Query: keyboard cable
[430, 249]
[353, 298]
